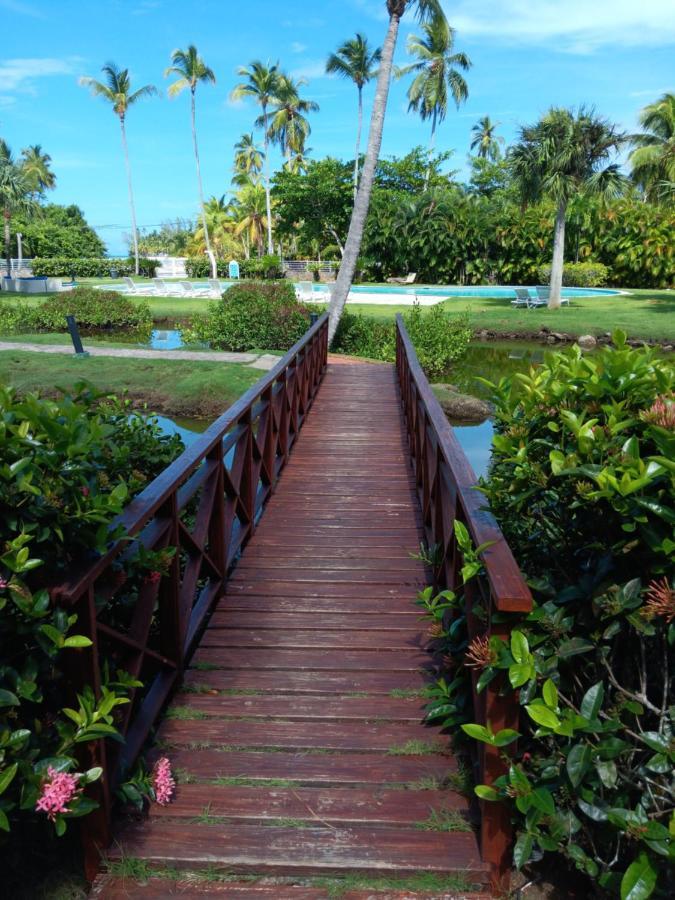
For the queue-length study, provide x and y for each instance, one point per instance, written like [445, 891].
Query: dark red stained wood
[106, 887]
[312, 768]
[337, 640]
[297, 851]
[275, 681]
[314, 660]
[320, 606]
[318, 805]
[352, 621]
[356, 736]
[301, 707]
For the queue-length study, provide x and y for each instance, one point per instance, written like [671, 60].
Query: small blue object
[233, 269]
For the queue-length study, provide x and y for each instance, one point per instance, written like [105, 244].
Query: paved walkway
[255, 360]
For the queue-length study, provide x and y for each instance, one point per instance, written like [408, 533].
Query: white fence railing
[170, 266]
[17, 267]
[298, 267]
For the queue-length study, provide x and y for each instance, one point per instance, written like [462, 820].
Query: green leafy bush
[439, 339]
[200, 267]
[83, 267]
[93, 309]
[359, 335]
[583, 485]
[67, 467]
[585, 274]
[254, 314]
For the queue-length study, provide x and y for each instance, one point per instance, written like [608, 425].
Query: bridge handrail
[206, 504]
[446, 486]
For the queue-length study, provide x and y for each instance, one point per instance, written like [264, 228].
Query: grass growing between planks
[177, 387]
[424, 882]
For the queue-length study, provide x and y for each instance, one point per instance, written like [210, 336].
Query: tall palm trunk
[209, 253]
[558, 256]
[8, 251]
[359, 127]
[432, 141]
[268, 202]
[132, 206]
[360, 211]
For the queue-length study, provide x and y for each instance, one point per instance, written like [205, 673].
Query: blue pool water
[500, 290]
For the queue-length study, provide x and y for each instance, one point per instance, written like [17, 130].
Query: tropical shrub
[438, 338]
[93, 309]
[200, 267]
[83, 267]
[56, 231]
[585, 274]
[253, 314]
[67, 468]
[583, 485]
[268, 266]
[359, 335]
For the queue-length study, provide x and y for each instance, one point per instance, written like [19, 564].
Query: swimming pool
[500, 290]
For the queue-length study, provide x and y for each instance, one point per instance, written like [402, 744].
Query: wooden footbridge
[285, 638]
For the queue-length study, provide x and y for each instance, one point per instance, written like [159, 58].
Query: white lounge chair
[215, 287]
[522, 298]
[407, 279]
[131, 286]
[193, 291]
[164, 289]
[544, 295]
[304, 290]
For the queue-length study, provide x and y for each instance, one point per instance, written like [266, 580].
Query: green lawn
[641, 313]
[177, 387]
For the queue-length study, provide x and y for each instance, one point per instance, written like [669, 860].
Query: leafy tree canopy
[57, 231]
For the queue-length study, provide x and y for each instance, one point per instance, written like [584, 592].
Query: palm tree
[356, 61]
[116, 89]
[190, 70]
[262, 83]
[436, 74]
[248, 160]
[250, 209]
[298, 162]
[15, 194]
[36, 168]
[485, 141]
[221, 221]
[289, 126]
[426, 11]
[653, 159]
[566, 155]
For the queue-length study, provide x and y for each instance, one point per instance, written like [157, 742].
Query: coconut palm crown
[191, 70]
[564, 155]
[653, 158]
[262, 85]
[116, 89]
[485, 141]
[356, 61]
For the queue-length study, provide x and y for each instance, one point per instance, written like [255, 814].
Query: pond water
[491, 360]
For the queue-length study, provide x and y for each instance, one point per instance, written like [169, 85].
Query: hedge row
[585, 274]
[85, 267]
[268, 267]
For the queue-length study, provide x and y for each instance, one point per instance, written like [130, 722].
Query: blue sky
[526, 54]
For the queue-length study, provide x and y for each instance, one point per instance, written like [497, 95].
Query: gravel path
[256, 360]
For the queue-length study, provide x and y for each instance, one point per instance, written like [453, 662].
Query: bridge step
[300, 707]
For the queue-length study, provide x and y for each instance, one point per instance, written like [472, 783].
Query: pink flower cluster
[58, 791]
[661, 412]
[163, 781]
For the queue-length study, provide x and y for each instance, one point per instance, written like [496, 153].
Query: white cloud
[297, 47]
[19, 74]
[576, 26]
[145, 7]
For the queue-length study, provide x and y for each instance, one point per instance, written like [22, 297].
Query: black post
[313, 319]
[75, 336]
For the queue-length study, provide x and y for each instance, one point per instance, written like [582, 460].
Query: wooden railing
[206, 504]
[446, 488]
